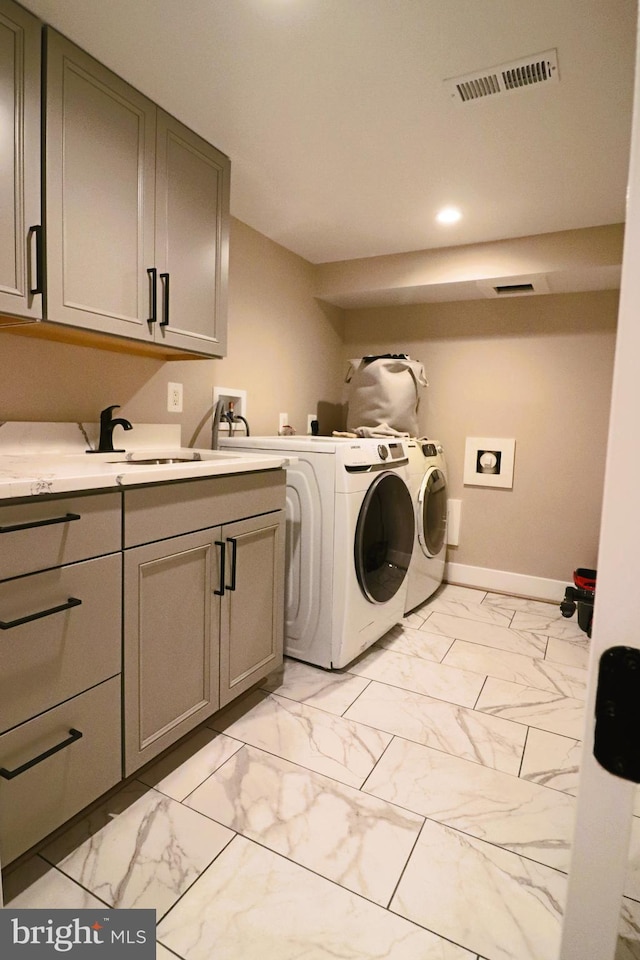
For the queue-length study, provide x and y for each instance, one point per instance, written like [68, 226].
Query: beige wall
[285, 350]
[537, 369]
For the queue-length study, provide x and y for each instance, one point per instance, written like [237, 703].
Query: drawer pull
[71, 602]
[234, 554]
[10, 774]
[40, 523]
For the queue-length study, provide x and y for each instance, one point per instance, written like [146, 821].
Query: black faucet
[107, 424]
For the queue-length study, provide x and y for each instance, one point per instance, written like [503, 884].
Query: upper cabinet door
[19, 162]
[100, 144]
[192, 239]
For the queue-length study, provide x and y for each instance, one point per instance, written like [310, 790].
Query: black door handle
[165, 314]
[234, 555]
[36, 231]
[222, 545]
[153, 274]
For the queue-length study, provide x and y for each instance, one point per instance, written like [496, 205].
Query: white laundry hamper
[383, 395]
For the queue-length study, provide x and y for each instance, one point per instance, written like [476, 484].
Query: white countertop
[38, 459]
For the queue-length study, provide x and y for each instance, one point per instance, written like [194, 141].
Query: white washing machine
[428, 486]
[350, 533]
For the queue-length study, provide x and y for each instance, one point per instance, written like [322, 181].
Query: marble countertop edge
[38, 459]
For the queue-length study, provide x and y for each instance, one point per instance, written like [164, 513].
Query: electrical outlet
[311, 418]
[174, 398]
[283, 420]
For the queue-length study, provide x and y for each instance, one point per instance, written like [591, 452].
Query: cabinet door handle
[10, 774]
[153, 274]
[222, 545]
[165, 313]
[37, 262]
[234, 553]
[71, 602]
[40, 523]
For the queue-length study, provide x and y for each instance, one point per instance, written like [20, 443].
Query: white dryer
[428, 486]
[350, 533]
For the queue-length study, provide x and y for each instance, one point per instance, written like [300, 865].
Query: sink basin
[154, 461]
[157, 458]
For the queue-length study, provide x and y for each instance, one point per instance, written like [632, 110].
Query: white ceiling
[343, 138]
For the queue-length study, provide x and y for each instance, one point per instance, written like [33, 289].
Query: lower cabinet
[194, 570]
[60, 661]
[203, 622]
[56, 764]
[170, 641]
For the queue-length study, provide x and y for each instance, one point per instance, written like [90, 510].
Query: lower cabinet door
[171, 649]
[252, 616]
[54, 765]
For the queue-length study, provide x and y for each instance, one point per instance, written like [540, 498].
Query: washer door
[432, 512]
[384, 538]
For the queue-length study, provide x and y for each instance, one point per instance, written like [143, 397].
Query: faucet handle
[106, 413]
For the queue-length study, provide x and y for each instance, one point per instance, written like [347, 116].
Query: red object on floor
[585, 579]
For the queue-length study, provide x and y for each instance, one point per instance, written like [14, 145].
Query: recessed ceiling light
[449, 215]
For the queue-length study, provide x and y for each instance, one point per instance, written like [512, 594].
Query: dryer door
[384, 538]
[432, 512]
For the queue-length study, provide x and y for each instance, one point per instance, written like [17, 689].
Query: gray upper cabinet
[136, 212]
[99, 168]
[192, 238]
[20, 216]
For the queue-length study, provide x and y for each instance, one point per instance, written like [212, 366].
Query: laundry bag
[384, 395]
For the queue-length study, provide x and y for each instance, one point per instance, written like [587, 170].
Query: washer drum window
[384, 538]
[432, 512]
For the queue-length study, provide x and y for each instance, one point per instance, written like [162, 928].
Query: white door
[604, 809]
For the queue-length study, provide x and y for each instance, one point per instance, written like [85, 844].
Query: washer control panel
[395, 450]
[369, 452]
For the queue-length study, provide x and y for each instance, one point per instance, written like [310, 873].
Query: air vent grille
[538, 69]
[514, 288]
[523, 286]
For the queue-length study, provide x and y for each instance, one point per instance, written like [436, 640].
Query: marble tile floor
[417, 805]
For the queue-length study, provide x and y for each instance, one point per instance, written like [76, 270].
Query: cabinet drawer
[53, 789]
[168, 510]
[36, 534]
[63, 651]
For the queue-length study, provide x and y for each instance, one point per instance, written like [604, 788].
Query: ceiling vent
[539, 69]
[514, 286]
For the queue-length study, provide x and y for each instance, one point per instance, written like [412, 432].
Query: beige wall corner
[538, 370]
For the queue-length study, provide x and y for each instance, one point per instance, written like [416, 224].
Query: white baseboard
[501, 581]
